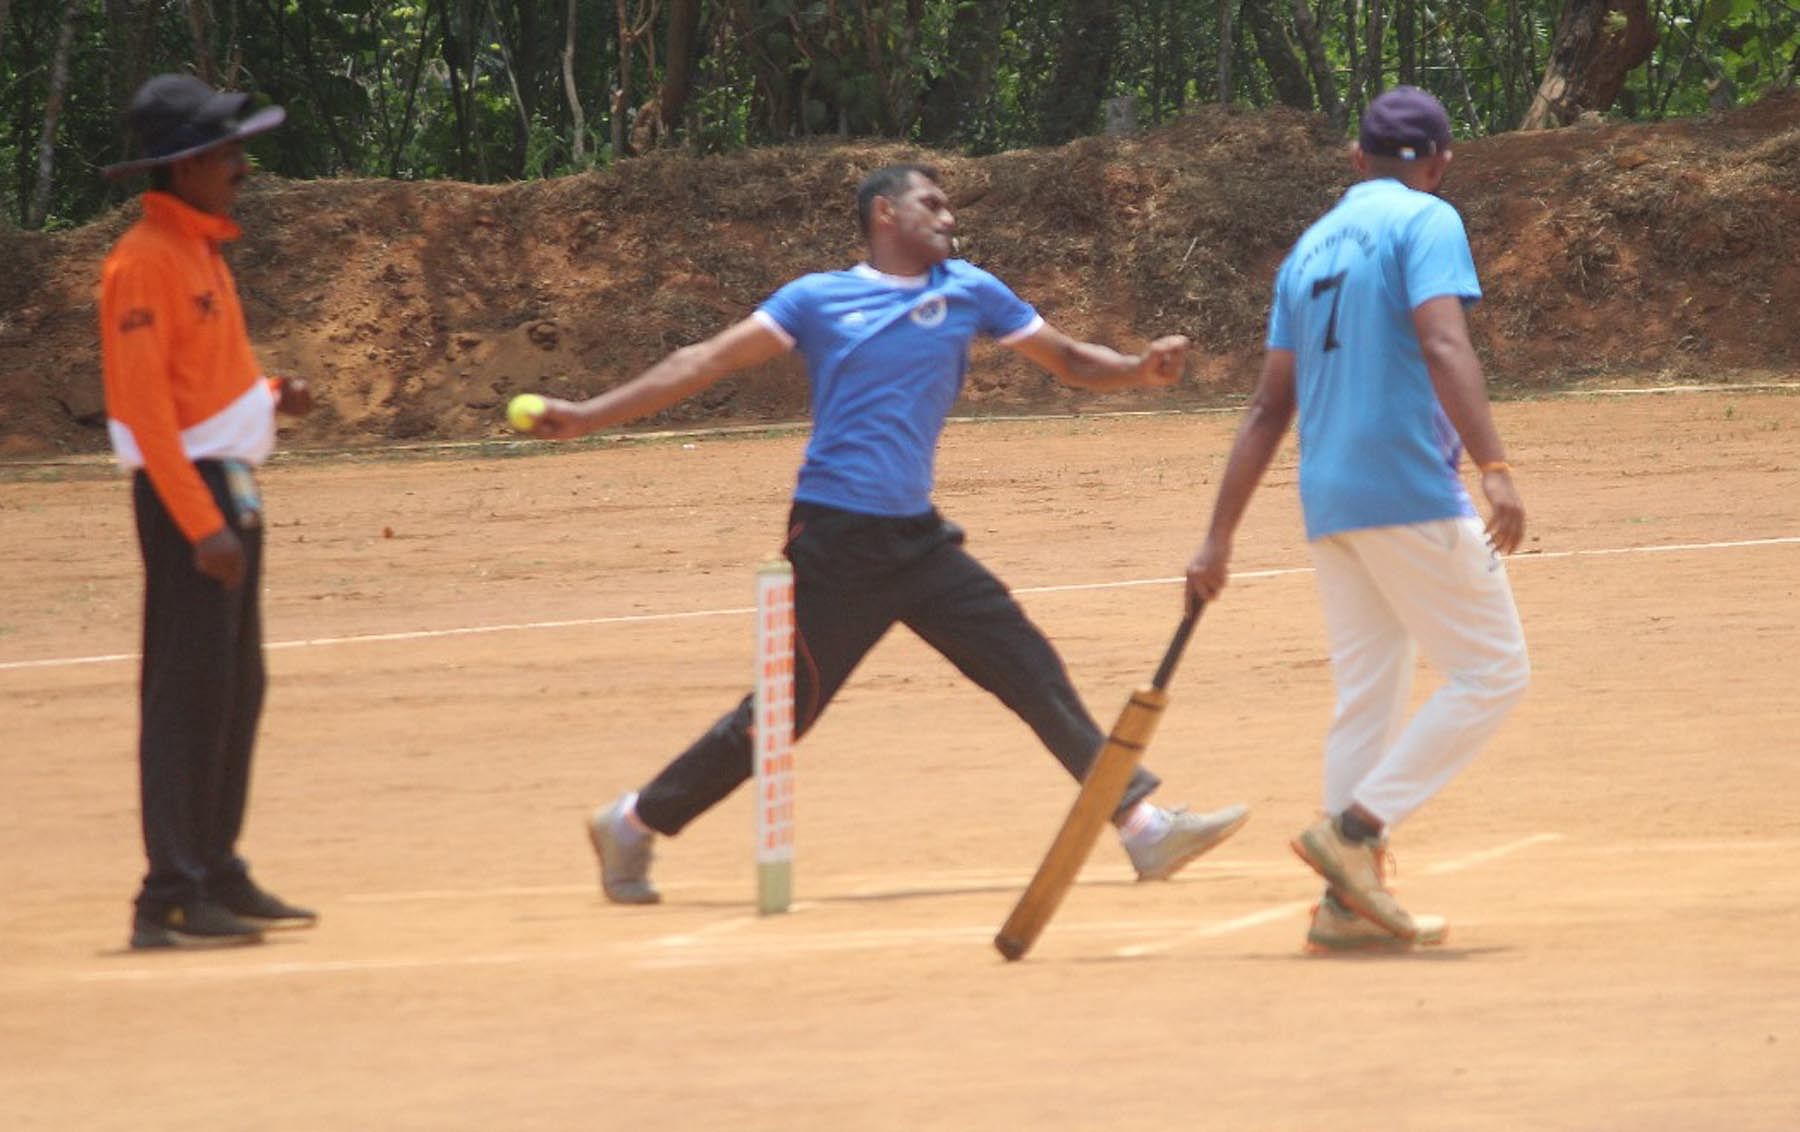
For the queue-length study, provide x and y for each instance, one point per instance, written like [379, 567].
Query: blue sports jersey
[1376, 449]
[885, 356]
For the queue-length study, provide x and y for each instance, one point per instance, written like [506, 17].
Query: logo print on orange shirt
[203, 302]
[137, 318]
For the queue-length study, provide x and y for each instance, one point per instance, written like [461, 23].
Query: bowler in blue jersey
[886, 344]
[1369, 349]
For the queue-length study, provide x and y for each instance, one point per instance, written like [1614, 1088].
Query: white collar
[912, 281]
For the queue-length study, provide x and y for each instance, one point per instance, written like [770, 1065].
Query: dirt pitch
[1623, 921]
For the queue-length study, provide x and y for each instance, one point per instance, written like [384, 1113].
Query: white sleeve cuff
[1036, 324]
[775, 328]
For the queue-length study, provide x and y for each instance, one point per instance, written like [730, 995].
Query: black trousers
[200, 698]
[855, 577]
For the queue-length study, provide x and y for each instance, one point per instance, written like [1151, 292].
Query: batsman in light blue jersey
[886, 344]
[1368, 346]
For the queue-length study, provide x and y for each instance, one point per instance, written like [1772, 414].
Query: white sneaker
[624, 869]
[1188, 837]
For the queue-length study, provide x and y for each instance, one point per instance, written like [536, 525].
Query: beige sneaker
[1354, 870]
[1336, 930]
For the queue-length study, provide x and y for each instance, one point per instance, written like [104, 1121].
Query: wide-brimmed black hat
[177, 116]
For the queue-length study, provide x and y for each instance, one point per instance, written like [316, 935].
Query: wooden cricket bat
[1101, 792]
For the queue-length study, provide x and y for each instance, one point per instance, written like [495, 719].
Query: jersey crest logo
[930, 312]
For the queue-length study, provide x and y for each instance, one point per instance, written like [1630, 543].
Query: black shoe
[243, 897]
[200, 923]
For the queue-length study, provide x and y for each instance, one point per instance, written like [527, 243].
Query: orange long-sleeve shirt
[182, 383]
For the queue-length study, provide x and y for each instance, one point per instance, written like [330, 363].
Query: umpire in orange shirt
[191, 416]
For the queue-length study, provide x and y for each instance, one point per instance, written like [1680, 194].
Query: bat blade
[1100, 795]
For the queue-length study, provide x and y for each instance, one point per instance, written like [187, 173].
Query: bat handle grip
[1172, 656]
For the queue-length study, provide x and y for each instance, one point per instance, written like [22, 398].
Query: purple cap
[1405, 122]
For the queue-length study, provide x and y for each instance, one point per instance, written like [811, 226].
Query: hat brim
[260, 122]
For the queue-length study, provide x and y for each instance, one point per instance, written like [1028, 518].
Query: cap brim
[260, 122]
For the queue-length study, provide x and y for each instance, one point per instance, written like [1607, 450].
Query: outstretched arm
[1088, 365]
[1456, 375]
[674, 379]
[1266, 421]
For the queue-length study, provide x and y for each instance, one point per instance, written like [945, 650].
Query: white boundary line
[744, 611]
[1469, 861]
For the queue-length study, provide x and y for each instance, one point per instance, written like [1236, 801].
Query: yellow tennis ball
[524, 410]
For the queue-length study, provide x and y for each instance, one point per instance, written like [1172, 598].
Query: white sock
[1146, 825]
[630, 829]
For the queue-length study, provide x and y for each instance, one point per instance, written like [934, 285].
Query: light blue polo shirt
[1376, 449]
[886, 356]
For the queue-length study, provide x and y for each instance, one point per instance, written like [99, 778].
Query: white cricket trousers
[1387, 592]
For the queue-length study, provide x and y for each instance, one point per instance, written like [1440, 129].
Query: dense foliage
[489, 90]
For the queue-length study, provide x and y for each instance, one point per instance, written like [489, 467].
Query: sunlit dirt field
[471, 648]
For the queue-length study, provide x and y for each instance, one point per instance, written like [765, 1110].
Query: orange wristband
[1495, 466]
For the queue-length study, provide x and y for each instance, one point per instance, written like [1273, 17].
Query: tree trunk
[412, 95]
[53, 104]
[578, 127]
[1406, 33]
[315, 79]
[5, 14]
[1451, 60]
[1589, 59]
[233, 72]
[202, 49]
[522, 130]
[1324, 82]
[1278, 54]
[1071, 105]
[631, 29]
[130, 30]
[875, 58]
[896, 90]
[1223, 90]
[956, 103]
[1375, 32]
[678, 66]
[621, 92]
[452, 53]
[1180, 65]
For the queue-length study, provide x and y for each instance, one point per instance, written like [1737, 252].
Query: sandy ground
[470, 650]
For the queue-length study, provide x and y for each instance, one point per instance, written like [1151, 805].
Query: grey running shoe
[624, 869]
[199, 923]
[1189, 836]
[1353, 869]
[1336, 930]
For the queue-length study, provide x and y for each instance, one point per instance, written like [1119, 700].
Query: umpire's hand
[220, 556]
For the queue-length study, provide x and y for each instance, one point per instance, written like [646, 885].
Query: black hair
[888, 181]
